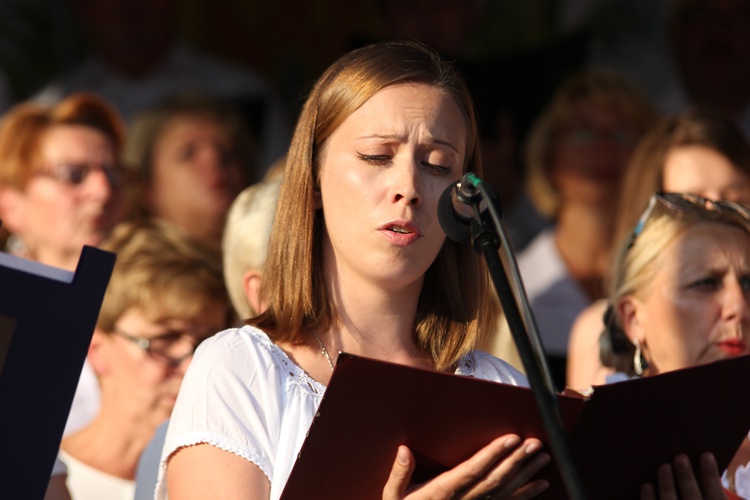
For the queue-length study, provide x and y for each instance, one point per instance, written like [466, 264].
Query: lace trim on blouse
[467, 365]
[297, 376]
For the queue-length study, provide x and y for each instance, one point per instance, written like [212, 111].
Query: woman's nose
[736, 302]
[406, 184]
[100, 184]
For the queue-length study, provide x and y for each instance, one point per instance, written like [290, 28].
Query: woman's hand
[677, 481]
[502, 469]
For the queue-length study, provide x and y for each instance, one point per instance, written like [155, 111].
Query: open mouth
[400, 230]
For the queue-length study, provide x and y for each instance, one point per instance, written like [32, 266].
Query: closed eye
[380, 160]
[437, 169]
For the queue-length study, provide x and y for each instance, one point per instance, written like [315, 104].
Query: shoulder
[589, 322]
[245, 356]
[480, 364]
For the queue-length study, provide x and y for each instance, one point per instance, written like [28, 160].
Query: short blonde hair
[294, 288]
[161, 272]
[246, 235]
[24, 125]
[605, 89]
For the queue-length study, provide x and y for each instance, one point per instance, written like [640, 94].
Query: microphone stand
[486, 240]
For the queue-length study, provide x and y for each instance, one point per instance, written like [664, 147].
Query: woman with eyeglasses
[680, 290]
[166, 296]
[61, 185]
[697, 151]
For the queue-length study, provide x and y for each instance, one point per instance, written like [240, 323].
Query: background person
[62, 187]
[166, 295]
[246, 238]
[696, 151]
[61, 182]
[193, 155]
[680, 289]
[576, 155]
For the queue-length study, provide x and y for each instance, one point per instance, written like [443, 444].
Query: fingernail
[682, 463]
[533, 447]
[402, 456]
[512, 442]
[708, 460]
[541, 485]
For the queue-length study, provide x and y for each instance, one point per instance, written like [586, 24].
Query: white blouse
[243, 394]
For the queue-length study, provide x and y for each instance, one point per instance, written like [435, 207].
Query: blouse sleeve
[227, 383]
[488, 367]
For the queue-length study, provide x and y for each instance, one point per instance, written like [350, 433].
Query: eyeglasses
[171, 348]
[76, 173]
[689, 202]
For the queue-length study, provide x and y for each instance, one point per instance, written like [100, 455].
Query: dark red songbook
[618, 436]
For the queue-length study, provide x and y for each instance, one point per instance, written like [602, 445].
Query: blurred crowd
[158, 129]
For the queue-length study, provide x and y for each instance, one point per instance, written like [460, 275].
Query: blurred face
[381, 175]
[590, 153]
[704, 171]
[73, 200]
[696, 310]
[146, 383]
[195, 175]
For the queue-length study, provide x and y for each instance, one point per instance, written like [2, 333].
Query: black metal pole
[486, 240]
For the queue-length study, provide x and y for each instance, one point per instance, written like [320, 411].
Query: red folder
[618, 436]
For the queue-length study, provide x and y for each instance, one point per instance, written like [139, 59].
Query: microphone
[456, 206]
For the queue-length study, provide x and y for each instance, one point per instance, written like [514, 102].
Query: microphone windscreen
[456, 229]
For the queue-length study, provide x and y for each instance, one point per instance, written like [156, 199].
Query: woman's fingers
[456, 482]
[710, 478]
[400, 478]
[687, 483]
[494, 466]
[677, 480]
[509, 476]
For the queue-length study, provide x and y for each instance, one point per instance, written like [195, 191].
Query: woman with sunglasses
[166, 295]
[61, 185]
[697, 151]
[680, 289]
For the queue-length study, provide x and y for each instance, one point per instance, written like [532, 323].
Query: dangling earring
[639, 362]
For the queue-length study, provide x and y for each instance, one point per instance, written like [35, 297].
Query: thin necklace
[323, 349]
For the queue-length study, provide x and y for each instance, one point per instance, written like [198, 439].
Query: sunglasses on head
[689, 202]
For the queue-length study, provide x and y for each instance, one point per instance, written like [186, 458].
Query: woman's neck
[583, 237]
[109, 446]
[372, 322]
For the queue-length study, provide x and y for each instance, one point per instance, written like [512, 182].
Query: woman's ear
[629, 311]
[251, 282]
[98, 353]
[12, 209]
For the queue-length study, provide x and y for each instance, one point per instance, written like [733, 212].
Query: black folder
[47, 318]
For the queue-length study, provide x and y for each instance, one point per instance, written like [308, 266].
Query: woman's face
[133, 377]
[696, 309]
[704, 171]
[382, 172]
[590, 153]
[195, 175]
[57, 217]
